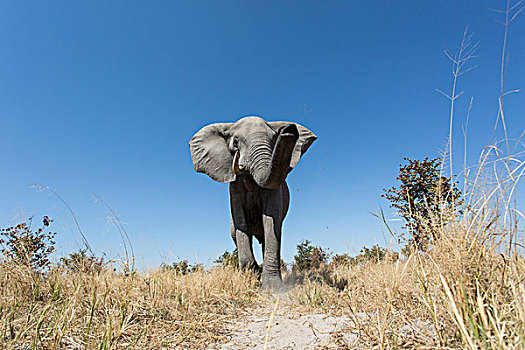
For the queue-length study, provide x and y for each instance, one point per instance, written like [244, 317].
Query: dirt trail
[290, 329]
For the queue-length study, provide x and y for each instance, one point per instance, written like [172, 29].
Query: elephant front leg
[245, 251]
[271, 278]
[239, 227]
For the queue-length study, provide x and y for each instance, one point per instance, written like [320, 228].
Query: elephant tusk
[235, 165]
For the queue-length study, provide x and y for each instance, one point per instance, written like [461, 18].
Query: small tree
[422, 196]
[374, 254]
[27, 247]
[309, 256]
[182, 267]
[342, 260]
[228, 259]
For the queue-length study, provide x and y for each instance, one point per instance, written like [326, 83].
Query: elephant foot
[273, 284]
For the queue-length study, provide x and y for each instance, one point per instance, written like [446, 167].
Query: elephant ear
[305, 140]
[210, 153]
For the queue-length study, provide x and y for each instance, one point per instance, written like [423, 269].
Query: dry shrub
[156, 310]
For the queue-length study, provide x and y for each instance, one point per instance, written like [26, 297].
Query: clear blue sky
[103, 96]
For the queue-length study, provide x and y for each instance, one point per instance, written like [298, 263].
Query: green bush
[182, 267]
[366, 255]
[375, 254]
[342, 260]
[309, 257]
[228, 259]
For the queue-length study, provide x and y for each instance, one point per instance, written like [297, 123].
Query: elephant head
[266, 151]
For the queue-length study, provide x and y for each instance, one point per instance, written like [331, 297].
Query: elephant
[254, 157]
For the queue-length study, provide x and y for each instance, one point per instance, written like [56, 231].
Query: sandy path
[289, 329]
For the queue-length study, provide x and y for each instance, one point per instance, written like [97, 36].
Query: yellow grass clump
[462, 294]
[108, 310]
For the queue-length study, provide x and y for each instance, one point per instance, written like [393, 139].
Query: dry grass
[462, 294]
[467, 292]
[157, 310]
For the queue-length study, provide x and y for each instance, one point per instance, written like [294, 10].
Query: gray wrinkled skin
[254, 157]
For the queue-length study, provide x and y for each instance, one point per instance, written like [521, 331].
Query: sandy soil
[279, 325]
[284, 327]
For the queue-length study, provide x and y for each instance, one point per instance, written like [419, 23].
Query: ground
[283, 326]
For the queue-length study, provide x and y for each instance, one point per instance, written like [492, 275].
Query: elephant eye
[235, 144]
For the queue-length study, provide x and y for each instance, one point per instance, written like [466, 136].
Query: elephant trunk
[270, 167]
